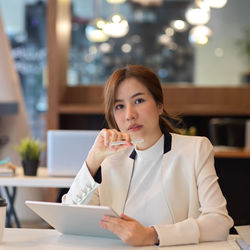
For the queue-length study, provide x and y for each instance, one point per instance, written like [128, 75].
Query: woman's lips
[134, 128]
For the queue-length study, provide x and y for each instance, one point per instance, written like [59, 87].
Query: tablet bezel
[73, 219]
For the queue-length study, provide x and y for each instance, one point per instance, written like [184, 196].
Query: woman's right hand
[102, 148]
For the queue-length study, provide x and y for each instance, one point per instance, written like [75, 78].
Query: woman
[164, 186]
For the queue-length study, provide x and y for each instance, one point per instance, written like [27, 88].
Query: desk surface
[231, 152]
[23, 239]
[41, 180]
[240, 154]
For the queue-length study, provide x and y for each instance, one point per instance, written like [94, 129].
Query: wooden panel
[190, 100]
[184, 100]
[59, 33]
[81, 109]
[84, 95]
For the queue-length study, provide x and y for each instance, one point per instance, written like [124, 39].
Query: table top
[238, 154]
[41, 180]
[231, 152]
[23, 239]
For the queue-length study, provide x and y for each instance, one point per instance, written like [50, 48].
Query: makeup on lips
[134, 127]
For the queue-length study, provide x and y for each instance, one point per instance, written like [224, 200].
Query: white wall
[227, 25]
[12, 13]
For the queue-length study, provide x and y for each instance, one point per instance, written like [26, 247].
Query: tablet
[73, 219]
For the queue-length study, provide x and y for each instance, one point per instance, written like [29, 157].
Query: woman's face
[136, 112]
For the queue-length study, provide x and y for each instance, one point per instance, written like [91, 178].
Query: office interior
[53, 67]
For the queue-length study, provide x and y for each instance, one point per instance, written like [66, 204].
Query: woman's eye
[119, 106]
[140, 100]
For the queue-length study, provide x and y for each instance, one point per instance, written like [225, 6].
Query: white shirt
[145, 194]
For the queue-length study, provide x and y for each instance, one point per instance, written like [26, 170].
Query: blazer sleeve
[214, 223]
[84, 189]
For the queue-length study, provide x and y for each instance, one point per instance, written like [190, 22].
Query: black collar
[167, 144]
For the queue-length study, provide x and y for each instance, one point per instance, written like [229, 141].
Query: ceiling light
[116, 1]
[179, 25]
[126, 48]
[105, 48]
[116, 18]
[198, 14]
[164, 39]
[216, 3]
[100, 23]
[94, 31]
[149, 2]
[169, 31]
[117, 27]
[200, 34]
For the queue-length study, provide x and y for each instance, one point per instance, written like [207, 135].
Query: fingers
[128, 139]
[111, 219]
[112, 135]
[127, 229]
[112, 224]
[102, 146]
[122, 221]
[127, 218]
[119, 137]
[104, 134]
[123, 229]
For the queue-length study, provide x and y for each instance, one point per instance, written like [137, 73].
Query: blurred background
[56, 55]
[160, 34]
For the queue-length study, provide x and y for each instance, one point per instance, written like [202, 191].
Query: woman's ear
[160, 108]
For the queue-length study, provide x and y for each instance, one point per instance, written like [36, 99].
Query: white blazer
[190, 184]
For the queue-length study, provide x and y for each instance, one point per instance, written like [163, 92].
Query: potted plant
[244, 47]
[30, 150]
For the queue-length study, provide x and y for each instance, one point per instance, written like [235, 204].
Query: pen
[123, 142]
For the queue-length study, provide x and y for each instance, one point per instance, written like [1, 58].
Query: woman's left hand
[130, 231]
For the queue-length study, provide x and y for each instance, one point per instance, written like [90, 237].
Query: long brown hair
[149, 79]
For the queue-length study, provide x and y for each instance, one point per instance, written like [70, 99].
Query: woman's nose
[130, 112]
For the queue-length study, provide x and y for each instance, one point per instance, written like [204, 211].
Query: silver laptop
[67, 150]
[73, 219]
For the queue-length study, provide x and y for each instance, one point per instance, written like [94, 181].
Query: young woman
[164, 186]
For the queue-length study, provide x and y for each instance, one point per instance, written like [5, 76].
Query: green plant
[244, 47]
[29, 149]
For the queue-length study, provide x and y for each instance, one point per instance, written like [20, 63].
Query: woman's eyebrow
[137, 94]
[133, 96]
[118, 100]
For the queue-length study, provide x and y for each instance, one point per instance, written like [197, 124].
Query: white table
[44, 239]
[42, 180]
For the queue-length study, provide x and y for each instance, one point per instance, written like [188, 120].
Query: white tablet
[73, 219]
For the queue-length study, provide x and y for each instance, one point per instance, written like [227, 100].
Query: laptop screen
[67, 150]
